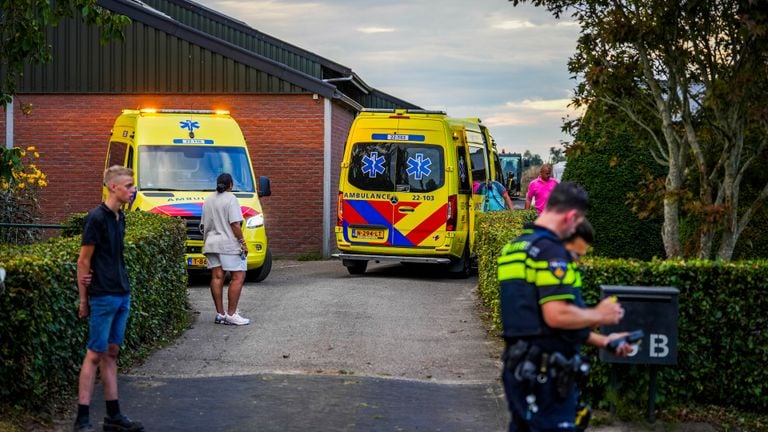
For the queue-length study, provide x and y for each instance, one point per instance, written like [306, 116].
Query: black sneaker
[121, 423]
[83, 427]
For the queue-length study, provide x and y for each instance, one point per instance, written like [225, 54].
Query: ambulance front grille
[193, 228]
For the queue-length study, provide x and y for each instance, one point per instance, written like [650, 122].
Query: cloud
[376, 29]
[540, 105]
[513, 25]
[504, 64]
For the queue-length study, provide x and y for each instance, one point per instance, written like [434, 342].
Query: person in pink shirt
[540, 188]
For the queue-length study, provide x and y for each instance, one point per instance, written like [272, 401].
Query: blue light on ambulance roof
[192, 141]
[397, 137]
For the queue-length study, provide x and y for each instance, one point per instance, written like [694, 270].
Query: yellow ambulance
[176, 156]
[405, 192]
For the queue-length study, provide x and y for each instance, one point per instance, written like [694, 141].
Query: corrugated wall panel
[148, 61]
[237, 37]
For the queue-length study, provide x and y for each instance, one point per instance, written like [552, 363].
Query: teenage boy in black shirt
[102, 281]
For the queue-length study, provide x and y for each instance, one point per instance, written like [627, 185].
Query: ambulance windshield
[192, 168]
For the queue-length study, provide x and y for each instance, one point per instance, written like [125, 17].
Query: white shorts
[227, 262]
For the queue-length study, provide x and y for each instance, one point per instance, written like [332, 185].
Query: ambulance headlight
[255, 221]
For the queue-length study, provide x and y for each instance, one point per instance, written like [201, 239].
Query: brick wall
[284, 135]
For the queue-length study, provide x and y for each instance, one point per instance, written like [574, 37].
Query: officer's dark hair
[584, 231]
[223, 182]
[568, 196]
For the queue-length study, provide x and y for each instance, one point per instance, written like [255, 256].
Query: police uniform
[534, 269]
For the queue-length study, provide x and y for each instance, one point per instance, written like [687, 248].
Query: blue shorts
[108, 317]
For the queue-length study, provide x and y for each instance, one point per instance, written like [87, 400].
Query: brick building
[295, 108]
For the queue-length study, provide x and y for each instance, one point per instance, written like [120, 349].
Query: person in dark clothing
[544, 316]
[102, 282]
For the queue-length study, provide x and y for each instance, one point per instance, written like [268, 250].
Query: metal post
[612, 384]
[327, 168]
[652, 372]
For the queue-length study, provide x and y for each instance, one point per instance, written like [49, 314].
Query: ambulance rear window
[192, 168]
[396, 167]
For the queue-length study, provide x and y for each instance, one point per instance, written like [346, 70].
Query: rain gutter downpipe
[9, 125]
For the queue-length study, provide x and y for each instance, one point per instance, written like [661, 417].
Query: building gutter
[348, 100]
[327, 169]
[9, 125]
[353, 79]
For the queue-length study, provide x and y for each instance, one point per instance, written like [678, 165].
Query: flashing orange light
[148, 110]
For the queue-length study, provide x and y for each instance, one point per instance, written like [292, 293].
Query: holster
[567, 372]
[514, 354]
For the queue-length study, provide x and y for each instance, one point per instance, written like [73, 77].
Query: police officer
[545, 320]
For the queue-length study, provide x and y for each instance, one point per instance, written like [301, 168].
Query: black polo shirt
[106, 232]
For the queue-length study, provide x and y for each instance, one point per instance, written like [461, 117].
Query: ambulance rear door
[420, 200]
[396, 194]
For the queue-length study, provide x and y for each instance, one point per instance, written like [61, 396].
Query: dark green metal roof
[236, 32]
[149, 61]
[240, 34]
[188, 48]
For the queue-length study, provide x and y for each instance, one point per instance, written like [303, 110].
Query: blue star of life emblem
[418, 166]
[190, 125]
[373, 165]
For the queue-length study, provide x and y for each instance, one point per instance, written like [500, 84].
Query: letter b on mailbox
[653, 310]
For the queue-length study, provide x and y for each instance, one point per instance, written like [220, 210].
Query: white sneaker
[220, 319]
[236, 319]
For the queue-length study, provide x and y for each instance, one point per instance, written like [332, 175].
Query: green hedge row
[722, 323]
[42, 342]
[494, 230]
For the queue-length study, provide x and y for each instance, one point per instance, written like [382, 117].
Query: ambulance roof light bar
[182, 111]
[404, 111]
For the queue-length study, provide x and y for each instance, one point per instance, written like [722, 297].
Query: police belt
[531, 365]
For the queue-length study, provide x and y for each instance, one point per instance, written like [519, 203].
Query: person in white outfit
[224, 248]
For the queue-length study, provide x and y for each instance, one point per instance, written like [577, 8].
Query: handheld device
[632, 338]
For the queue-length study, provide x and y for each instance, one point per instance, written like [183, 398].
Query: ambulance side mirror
[264, 188]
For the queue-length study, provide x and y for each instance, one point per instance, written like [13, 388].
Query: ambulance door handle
[405, 209]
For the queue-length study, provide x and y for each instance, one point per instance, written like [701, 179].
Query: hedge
[494, 230]
[42, 342]
[722, 324]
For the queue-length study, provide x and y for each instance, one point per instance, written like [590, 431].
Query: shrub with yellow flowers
[20, 184]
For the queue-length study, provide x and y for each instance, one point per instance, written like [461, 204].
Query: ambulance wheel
[261, 273]
[461, 268]
[355, 267]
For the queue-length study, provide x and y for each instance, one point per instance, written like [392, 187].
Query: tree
[610, 159]
[533, 159]
[23, 25]
[556, 155]
[699, 70]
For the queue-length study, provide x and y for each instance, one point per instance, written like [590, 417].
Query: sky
[471, 58]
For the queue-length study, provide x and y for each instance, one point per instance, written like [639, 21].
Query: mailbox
[653, 310]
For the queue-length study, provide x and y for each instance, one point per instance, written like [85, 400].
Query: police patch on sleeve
[558, 268]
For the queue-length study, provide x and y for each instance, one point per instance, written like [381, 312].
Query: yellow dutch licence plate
[197, 262]
[368, 234]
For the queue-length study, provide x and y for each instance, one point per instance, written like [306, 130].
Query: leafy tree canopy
[23, 25]
[693, 76]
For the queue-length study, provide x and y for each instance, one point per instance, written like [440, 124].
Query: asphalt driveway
[397, 349]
